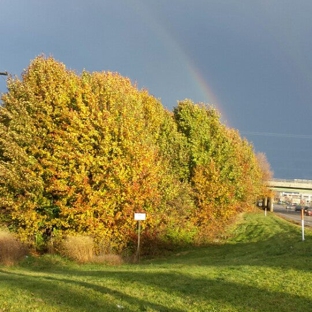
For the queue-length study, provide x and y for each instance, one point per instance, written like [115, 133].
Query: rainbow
[208, 95]
[205, 92]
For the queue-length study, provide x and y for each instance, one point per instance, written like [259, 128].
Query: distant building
[295, 198]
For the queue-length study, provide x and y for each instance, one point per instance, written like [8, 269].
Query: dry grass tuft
[78, 248]
[81, 249]
[11, 250]
[110, 259]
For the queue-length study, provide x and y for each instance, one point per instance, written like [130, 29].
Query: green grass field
[262, 266]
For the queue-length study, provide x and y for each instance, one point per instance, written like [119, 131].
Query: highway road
[291, 214]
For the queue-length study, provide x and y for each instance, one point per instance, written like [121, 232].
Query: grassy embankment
[262, 266]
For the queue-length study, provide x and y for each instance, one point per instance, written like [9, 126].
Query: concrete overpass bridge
[289, 186]
[295, 185]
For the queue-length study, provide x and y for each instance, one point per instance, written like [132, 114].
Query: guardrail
[291, 181]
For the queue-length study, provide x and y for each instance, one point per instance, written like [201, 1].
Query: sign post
[302, 222]
[139, 217]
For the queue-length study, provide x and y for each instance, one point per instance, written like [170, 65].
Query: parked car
[308, 211]
[288, 206]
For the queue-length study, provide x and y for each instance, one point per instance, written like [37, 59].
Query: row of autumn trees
[79, 154]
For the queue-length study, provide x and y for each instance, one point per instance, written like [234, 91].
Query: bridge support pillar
[270, 204]
[265, 202]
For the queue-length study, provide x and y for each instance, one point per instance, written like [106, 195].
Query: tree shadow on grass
[225, 288]
[275, 252]
[284, 250]
[198, 293]
[208, 291]
[64, 294]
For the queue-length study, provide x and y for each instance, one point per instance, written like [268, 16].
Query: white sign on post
[139, 216]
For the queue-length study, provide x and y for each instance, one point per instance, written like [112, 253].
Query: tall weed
[78, 248]
[11, 250]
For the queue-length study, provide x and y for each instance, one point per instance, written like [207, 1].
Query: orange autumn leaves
[82, 153]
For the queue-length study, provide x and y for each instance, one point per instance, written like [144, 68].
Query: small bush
[78, 248]
[11, 250]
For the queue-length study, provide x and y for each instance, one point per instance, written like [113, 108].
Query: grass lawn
[262, 266]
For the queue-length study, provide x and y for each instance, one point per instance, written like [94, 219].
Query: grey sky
[251, 59]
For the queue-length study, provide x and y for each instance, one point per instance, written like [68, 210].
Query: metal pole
[139, 234]
[302, 223]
